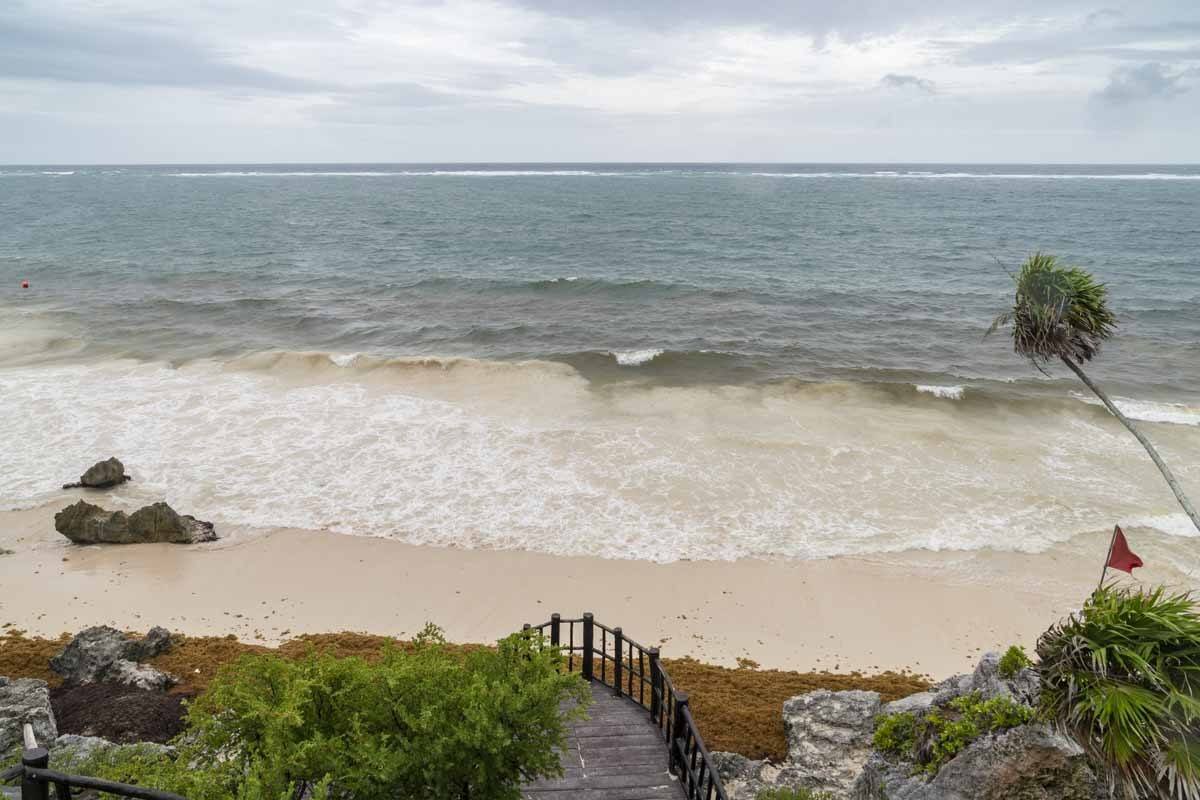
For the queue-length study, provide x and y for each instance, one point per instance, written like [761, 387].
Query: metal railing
[637, 673]
[37, 778]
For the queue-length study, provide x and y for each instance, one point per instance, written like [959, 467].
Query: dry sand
[929, 612]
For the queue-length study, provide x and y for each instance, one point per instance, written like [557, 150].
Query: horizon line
[606, 162]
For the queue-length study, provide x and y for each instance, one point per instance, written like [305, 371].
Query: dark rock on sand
[104, 654]
[101, 475]
[25, 700]
[84, 523]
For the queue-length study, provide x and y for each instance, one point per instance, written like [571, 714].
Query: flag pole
[1111, 541]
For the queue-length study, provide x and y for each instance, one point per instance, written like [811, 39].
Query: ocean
[642, 361]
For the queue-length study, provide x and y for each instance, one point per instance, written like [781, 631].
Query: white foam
[1171, 524]
[344, 359]
[470, 173]
[68, 172]
[944, 392]
[632, 358]
[447, 458]
[1149, 411]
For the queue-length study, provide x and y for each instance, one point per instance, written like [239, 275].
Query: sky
[250, 81]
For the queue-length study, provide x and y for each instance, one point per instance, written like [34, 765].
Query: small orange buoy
[24, 284]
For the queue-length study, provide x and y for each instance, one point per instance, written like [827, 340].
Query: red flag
[1121, 557]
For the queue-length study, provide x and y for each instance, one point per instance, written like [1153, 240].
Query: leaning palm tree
[1061, 313]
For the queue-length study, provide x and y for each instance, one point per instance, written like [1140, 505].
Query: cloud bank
[522, 80]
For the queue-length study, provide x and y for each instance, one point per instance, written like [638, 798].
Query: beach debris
[25, 700]
[101, 475]
[24, 284]
[102, 654]
[84, 523]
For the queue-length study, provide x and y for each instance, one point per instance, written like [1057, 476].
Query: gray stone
[913, 704]
[84, 523]
[69, 751]
[139, 676]
[1030, 762]
[104, 654]
[829, 737]
[25, 700]
[101, 475]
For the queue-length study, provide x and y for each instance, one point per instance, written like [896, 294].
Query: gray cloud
[1129, 85]
[895, 81]
[61, 48]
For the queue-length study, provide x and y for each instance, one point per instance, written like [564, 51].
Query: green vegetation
[427, 723]
[1123, 677]
[1061, 314]
[1013, 661]
[792, 794]
[932, 739]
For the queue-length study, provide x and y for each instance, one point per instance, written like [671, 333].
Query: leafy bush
[423, 724]
[1122, 677]
[932, 739]
[1013, 661]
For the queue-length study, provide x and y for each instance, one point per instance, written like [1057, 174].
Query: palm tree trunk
[1162, 465]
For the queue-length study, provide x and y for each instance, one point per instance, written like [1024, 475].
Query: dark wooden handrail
[637, 673]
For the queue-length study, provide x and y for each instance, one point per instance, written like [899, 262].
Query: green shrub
[932, 739]
[1122, 677]
[1013, 661]
[792, 794]
[896, 734]
[424, 724]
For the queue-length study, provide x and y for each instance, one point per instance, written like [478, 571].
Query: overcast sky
[84, 81]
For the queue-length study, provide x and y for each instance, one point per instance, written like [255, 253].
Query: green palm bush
[1061, 314]
[1122, 677]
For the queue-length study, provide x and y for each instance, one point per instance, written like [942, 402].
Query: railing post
[679, 733]
[619, 669]
[655, 686]
[32, 789]
[555, 634]
[588, 633]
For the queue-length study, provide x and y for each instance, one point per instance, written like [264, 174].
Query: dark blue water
[736, 273]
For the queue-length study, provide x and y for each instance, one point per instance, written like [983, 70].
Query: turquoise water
[736, 273]
[649, 361]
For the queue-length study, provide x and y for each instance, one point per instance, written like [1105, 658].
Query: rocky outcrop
[71, 749]
[829, 737]
[25, 700]
[104, 654]
[101, 475]
[829, 742]
[84, 523]
[1031, 762]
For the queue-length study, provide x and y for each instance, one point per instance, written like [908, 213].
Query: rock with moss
[84, 523]
[25, 700]
[1028, 762]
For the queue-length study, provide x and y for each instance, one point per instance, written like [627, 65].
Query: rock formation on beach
[25, 700]
[830, 750]
[101, 475]
[84, 523]
[104, 654]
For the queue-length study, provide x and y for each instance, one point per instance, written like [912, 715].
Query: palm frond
[1058, 312]
[1121, 678]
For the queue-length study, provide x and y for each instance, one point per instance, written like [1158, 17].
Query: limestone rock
[25, 700]
[913, 704]
[102, 653]
[84, 523]
[829, 737]
[101, 475]
[70, 750]
[1030, 762]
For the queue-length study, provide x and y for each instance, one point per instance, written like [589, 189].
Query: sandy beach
[929, 612]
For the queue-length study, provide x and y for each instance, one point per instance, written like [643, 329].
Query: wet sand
[929, 612]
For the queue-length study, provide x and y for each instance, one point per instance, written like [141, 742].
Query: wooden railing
[37, 778]
[637, 673]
